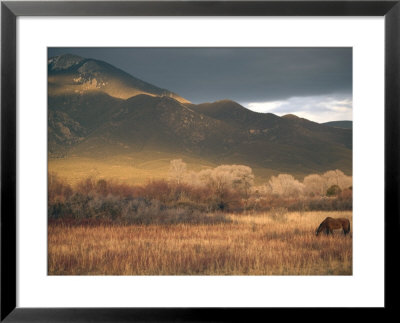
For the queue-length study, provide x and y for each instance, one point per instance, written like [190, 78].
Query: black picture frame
[10, 10]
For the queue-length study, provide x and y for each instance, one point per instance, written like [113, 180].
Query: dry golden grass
[252, 245]
[74, 169]
[134, 169]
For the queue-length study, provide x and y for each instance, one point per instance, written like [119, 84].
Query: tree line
[188, 195]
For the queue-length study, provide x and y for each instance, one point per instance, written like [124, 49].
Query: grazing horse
[330, 224]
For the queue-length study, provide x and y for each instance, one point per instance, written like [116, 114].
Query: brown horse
[330, 224]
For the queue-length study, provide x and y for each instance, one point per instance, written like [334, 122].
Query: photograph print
[200, 161]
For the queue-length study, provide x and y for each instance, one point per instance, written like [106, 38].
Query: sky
[310, 82]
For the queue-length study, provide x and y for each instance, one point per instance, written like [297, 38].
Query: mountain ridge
[344, 124]
[74, 74]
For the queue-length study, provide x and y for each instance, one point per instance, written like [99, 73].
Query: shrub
[58, 190]
[334, 190]
[227, 188]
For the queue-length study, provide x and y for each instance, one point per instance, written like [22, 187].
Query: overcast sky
[314, 83]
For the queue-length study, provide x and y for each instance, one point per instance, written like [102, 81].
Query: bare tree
[285, 185]
[177, 170]
[227, 179]
[314, 184]
[337, 177]
[236, 177]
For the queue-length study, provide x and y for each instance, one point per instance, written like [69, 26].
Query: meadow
[135, 169]
[214, 221]
[263, 243]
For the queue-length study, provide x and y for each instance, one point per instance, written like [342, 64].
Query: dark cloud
[241, 74]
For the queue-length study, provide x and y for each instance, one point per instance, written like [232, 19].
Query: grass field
[257, 244]
[130, 169]
[136, 168]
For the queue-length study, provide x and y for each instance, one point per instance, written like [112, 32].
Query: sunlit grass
[134, 169]
[255, 244]
[130, 169]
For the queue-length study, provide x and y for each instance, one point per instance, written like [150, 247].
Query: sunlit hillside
[71, 74]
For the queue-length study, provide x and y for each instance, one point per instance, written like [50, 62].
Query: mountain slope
[70, 74]
[288, 129]
[345, 124]
[157, 123]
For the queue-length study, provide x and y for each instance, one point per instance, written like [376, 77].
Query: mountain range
[98, 111]
[345, 124]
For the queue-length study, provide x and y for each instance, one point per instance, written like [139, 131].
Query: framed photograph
[197, 161]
